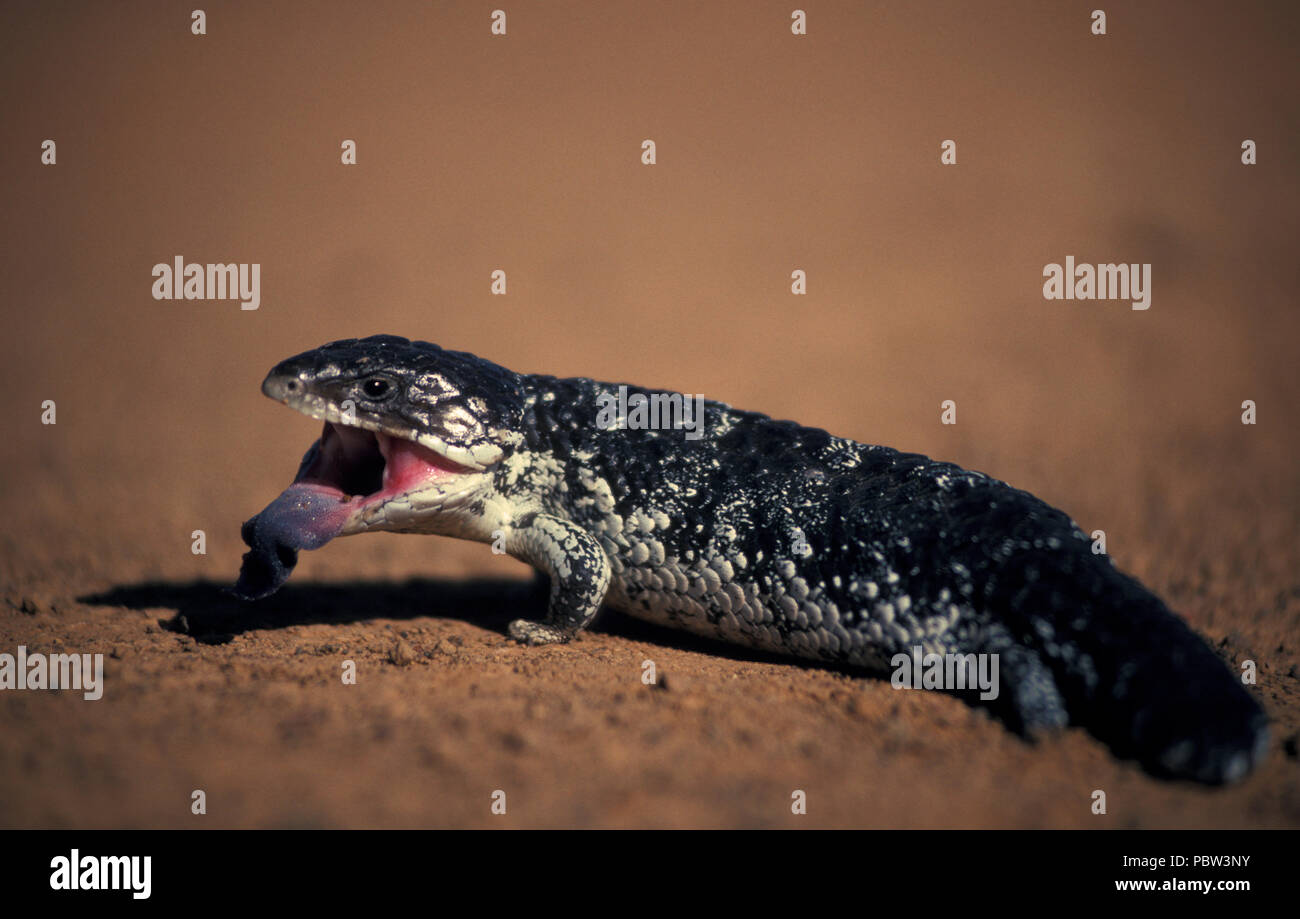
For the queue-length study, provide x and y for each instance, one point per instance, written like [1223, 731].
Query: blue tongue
[302, 517]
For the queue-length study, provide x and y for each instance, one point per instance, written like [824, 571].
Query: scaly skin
[783, 538]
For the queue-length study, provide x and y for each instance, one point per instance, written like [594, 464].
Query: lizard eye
[377, 388]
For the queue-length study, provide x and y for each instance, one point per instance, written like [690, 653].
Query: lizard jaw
[351, 480]
[376, 481]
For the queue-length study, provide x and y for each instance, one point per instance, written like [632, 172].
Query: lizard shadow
[208, 612]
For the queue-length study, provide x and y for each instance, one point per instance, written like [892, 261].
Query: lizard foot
[528, 632]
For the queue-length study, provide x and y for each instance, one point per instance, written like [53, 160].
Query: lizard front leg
[579, 571]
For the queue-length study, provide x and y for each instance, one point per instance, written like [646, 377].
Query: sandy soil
[522, 153]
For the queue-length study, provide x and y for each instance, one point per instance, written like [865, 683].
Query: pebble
[402, 654]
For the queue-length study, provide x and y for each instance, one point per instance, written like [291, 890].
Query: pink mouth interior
[351, 469]
[364, 467]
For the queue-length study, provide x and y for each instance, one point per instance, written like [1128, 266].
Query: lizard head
[462, 408]
[411, 433]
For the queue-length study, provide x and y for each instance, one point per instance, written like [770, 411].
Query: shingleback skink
[760, 532]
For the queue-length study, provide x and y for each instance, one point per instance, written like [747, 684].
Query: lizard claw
[528, 632]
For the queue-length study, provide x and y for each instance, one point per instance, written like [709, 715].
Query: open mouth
[370, 467]
[349, 471]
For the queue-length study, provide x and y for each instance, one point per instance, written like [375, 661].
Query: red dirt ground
[774, 153]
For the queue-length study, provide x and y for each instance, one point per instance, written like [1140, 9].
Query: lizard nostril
[291, 385]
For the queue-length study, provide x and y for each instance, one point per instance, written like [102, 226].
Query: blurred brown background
[522, 153]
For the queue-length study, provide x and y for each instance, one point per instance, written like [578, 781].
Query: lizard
[760, 532]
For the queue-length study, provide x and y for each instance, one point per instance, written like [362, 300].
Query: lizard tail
[1128, 670]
